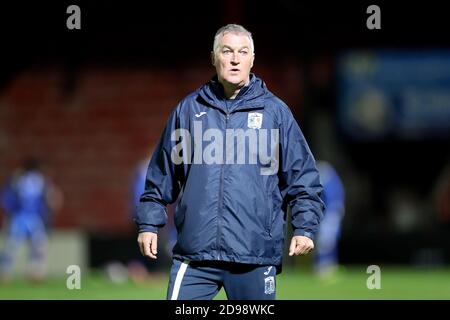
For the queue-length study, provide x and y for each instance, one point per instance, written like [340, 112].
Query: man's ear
[213, 59]
[253, 60]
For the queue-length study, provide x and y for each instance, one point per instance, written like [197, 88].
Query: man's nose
[234, 59]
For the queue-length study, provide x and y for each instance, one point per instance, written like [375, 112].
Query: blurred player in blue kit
[139, 267]
[28, 199]
[333, 195]
[139, 177]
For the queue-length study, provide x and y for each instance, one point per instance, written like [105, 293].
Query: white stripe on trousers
[178, 279]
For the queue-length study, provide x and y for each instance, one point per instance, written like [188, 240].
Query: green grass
[350, 283]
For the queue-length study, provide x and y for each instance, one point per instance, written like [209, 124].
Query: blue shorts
[202, 280]
[27, 226]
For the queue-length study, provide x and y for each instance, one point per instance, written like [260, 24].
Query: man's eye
[244, 52]
[226, 51]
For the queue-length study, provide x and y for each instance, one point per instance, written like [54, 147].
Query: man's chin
[235, 82]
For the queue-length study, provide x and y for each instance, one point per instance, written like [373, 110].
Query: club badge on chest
[254, 120]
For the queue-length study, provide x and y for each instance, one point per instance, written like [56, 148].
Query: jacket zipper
[221, 197]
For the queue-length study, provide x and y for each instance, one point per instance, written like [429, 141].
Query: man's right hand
[148, 243]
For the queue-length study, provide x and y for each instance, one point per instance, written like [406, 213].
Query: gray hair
[232, 28]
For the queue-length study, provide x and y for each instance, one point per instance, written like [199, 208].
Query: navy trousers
[202, 280]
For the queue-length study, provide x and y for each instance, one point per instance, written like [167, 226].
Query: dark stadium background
[90, 104]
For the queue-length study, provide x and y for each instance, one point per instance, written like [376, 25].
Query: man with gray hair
[231, 215]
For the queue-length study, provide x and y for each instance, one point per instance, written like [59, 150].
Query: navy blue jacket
[231, 211]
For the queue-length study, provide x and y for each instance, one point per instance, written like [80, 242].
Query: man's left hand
[300, 245]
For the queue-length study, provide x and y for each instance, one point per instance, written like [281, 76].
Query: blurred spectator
[326, 257]
[28, 198]
[139, 268]
[138, 183]
[442, 196]
[138, 189]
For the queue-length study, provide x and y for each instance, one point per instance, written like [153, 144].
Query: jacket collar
[249, 97]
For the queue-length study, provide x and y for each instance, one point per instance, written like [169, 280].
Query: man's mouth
[234, 70]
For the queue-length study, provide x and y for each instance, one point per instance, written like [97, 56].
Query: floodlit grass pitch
[348, 284]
